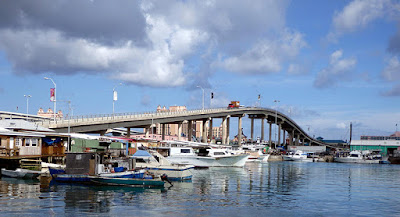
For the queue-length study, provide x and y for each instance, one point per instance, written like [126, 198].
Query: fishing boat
[61, 176]
[157, 164]
[145, 182]
[21, 173]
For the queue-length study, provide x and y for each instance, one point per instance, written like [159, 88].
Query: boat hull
[198, 161]
[174, 173]
[126, 174]
[21, 173]
[353, 160]
[71, 178]
[128, 182]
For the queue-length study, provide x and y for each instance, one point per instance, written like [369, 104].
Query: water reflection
[276, 188]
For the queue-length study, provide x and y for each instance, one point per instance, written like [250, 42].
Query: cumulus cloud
[149, 42]
[266, 56]
[358, 14]
[391, 73]
[339, 69]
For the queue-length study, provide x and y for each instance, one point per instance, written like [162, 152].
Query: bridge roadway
[101, 123]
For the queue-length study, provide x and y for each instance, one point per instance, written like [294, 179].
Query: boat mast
[351, 131]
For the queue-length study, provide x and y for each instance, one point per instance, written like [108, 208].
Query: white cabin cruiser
[300, 156]
[206, 157]
[360, 157]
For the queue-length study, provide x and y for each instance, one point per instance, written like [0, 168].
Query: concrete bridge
[101, 123]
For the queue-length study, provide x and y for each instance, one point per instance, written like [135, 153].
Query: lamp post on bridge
[55, 97]
[115, 96]
[27, 103]
[276, 118]
[203, 94]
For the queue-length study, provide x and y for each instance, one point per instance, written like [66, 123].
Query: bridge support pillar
[102, 132]
[128, 132]
[262, 129]
[302, 141]
[279, 134]
[163, 129]
[297, 139]
[291, 138]
[224, 130]
[270, 132]
[180, 131]
[228, 125]
[147, 131]
[284, 138]
[204, 131]
[190, 131]
[210, 130]
[240, 131]
[252, 129]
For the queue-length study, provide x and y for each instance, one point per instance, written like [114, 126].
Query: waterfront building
[385, 144]
[49, 113]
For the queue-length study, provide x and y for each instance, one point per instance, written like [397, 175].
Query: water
[267, 189]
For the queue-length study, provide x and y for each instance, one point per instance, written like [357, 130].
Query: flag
[115, 97]
[52, 94]
[259, 96]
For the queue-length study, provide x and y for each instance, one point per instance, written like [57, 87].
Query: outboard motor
[164, 177]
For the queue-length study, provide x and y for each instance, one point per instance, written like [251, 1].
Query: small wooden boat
[21, 173]
[156, 182]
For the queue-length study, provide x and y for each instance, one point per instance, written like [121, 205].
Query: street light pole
[55, 97]
[203, 94]
[27, 103]
[276, 118]
[115, 98]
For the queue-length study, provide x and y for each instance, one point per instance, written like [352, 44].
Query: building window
[34, 142]
[18, 141]
[27, 142]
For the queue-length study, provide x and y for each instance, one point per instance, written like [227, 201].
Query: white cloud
[392, 70]
[265, 56]
[358, 14]
[149, 42]
[339, 69]
[391, 73]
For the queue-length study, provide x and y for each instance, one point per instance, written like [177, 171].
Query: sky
[328, 63]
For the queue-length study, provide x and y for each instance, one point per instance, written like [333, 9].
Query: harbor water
[258, 189]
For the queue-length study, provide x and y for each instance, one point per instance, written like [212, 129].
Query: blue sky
[329, 63]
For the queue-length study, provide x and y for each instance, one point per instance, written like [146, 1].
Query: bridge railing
[130, 115]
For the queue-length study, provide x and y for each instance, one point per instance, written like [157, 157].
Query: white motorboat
[257, 152]
[21, 173]
[300, 156]
[206, 157]
[46, 166]
[157, 164]
[360, 157]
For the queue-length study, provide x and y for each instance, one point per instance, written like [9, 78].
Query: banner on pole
[52, 94]
[115, 98]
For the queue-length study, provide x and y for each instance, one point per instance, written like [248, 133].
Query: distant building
[49, 113]
[395, 136]
[385, 144]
